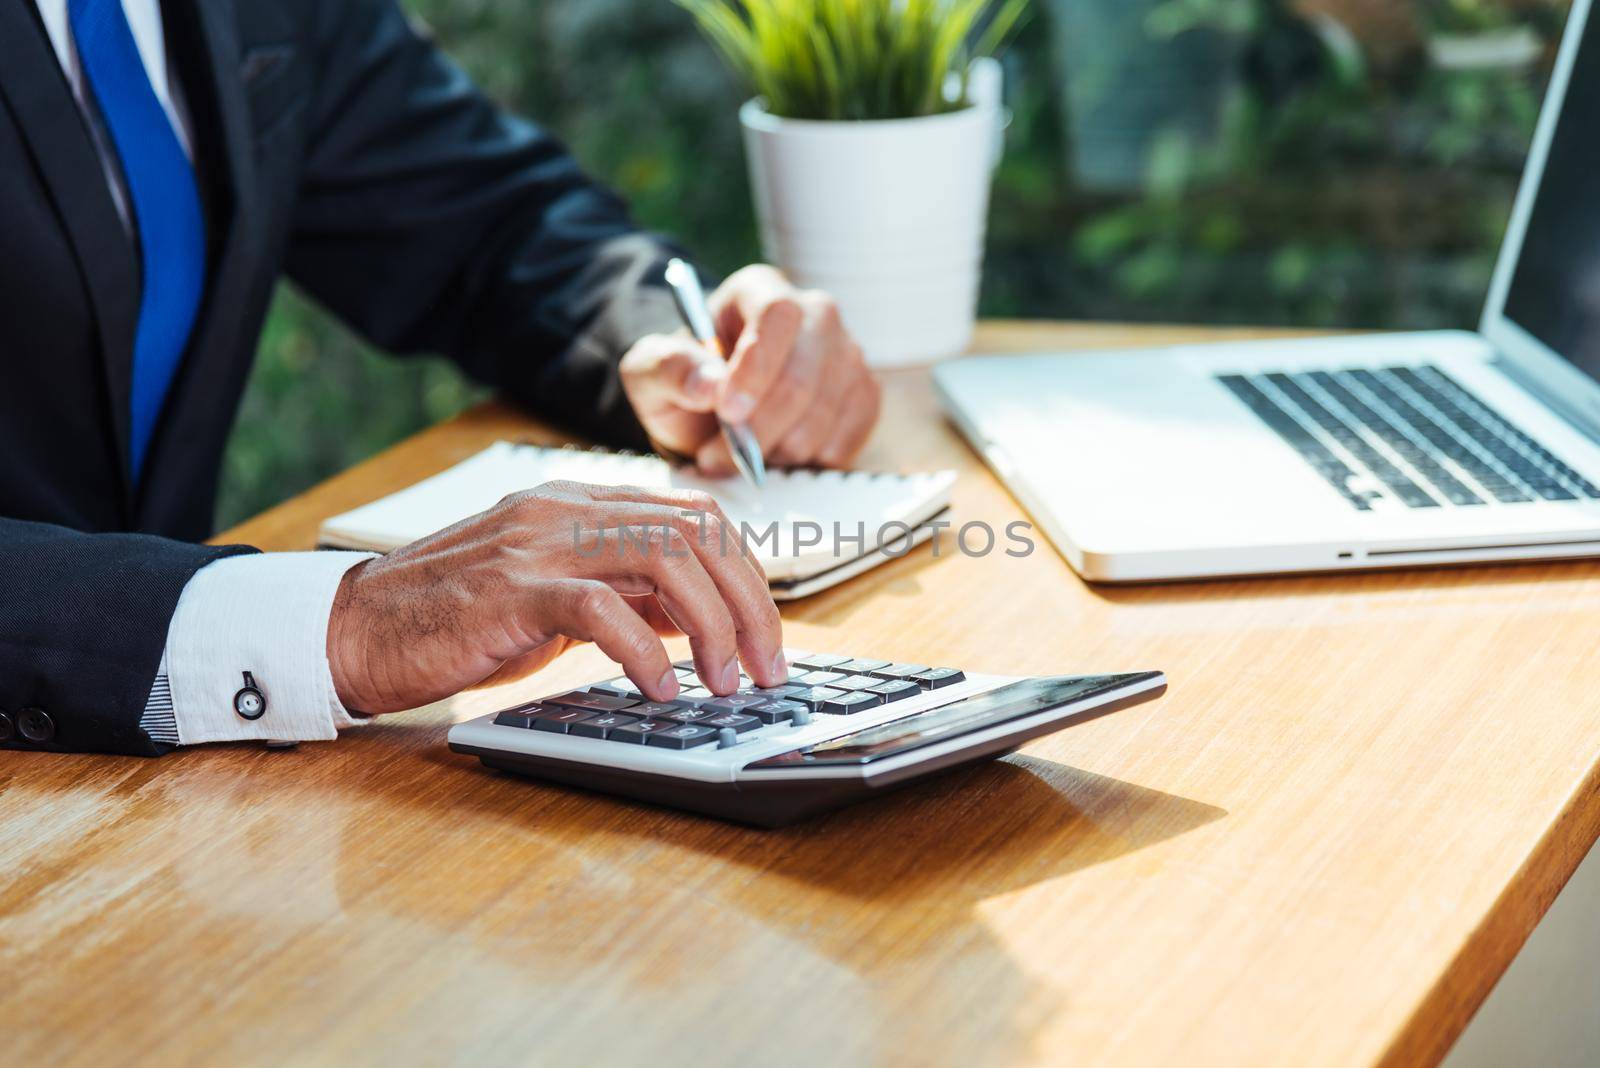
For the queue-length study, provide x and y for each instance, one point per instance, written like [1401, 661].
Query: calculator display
[1017, 701]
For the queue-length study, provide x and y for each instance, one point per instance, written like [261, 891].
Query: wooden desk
[1322, 848]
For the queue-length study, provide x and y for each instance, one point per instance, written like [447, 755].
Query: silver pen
[690, 297]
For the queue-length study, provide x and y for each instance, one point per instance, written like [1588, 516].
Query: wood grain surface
[1321, 848]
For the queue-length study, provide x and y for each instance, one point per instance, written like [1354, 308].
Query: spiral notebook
[810, 530]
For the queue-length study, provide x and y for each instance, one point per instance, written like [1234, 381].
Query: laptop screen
[1555, 289]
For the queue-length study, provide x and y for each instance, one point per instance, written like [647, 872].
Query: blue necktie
[166, 207]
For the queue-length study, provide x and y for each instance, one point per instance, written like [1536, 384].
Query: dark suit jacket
[335, 145]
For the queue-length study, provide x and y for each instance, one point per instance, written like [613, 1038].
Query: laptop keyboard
[1408, 434]
[819, 684]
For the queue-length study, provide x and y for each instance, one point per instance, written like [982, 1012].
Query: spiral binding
[814, 473]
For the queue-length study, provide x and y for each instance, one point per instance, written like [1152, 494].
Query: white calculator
[843, 729]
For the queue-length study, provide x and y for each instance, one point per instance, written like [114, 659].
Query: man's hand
[794, 374]
[502, 594]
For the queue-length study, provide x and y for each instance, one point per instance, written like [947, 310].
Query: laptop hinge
[1570, 413]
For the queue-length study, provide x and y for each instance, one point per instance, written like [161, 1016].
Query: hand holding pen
[793, 375]
[690, 297]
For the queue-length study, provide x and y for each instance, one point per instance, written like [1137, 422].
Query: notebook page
[792, 524]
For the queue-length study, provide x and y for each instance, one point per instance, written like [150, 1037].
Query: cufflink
[250, 702]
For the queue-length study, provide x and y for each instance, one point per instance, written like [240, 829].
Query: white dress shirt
[263, 614]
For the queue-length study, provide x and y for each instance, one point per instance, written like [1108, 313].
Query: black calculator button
[737, 720]
[859, 666]
[819, 678]
[848, 704]
[775, 711]
[857, 682]
[934, 678]
[591, 702]
[770, 693]
[734, 703]
[681, 716]
[684, 736]
[899, 671]
[652, 709]
[622, 687]
[814, 697]
[896, 690]
[684, 665]
[599, 725]
[637, 733]
[819, 661]
[519, 717]
[557, 721]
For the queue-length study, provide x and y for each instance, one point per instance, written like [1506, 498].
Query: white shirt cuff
[265, 614]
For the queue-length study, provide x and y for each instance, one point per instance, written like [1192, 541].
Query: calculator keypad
[819, 683]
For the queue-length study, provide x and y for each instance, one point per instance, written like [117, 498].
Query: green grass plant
[857, 59]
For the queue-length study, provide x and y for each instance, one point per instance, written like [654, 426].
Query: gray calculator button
[692, 698]
[637, 732]
[775, 711]
[859, 666]
[896, 689]
[857, 682]
[899, 671]
[681, 715]
[770, 693]
[652, 709]
[557, 721]
[521, 716]
[599, 725]
[819, 661]
[819, 678]
[814, 697]
[733, 703]
[934, 678]
[685, 736]
[622, 687]
[848, 704]
[737, 721]
[591, 702]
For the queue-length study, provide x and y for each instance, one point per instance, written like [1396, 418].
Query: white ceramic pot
[887, 216]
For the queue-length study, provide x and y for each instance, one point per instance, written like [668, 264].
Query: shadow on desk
[873, 918]
[945, 844]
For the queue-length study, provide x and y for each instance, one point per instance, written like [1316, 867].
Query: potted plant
[871, 141]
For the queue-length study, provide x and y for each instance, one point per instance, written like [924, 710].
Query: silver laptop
[1380, 451]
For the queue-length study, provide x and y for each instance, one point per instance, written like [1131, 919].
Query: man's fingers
[655, 617]
[714, 459]
[855, 424]
[594, 612]
[702, 528]
[815, 429]
[768, 321]
[675, 369]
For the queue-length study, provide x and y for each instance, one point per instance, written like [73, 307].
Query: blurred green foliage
[1259, 161]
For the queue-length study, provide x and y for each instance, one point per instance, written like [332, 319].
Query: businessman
[164, 162]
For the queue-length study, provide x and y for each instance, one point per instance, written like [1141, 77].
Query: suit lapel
[205, 49]
[41, 102]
